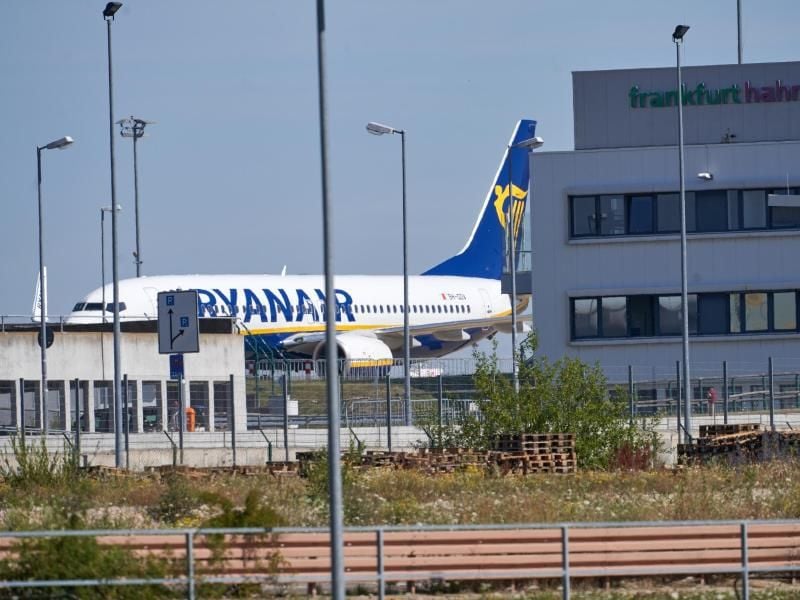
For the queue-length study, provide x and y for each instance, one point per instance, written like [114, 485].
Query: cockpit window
[98, 306]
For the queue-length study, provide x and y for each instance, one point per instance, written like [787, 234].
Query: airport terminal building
[605, 221]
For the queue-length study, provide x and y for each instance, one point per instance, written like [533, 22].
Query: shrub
[565, 396]
[61, 558]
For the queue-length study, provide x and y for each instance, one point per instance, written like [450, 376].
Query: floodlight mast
[134, 128]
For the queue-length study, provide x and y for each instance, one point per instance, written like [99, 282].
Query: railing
[192, 558]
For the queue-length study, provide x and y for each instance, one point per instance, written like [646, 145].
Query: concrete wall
[564, 267]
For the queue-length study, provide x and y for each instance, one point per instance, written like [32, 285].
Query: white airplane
[452, 304]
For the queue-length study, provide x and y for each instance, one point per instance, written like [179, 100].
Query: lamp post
[58, 144]
[529, 144]
[379, 129]
[134, 128]
[108, 14]
[677, 37]
[336, 520]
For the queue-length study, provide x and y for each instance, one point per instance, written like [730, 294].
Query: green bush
[62, 558]
[31, 464]
[565, 396]
[176, 502]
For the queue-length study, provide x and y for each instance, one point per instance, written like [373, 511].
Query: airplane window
[355, 308]
[78, 306]
[394, 308]
[469, 310]
[109, 307]
[381, 307]
[427, 308]
[413, 308]
[439, 308]
[374, 309]
[401, 309]
[451, 308]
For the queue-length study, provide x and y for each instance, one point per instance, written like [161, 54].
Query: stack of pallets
[535, 453]
[739, 442]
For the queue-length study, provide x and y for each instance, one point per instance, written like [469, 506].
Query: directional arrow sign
[178, 330]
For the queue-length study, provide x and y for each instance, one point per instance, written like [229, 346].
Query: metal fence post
[440, 406]
[232, 417]
[22, 408]
[745, 563]
[285, 391]
[678, 380]
[127, 422]
[630, 394]
[389, 412]
[190, 565]
[565, 561]
[181, 416]
[725, 392]
[379, 552]
[77, 421]
[771, 396]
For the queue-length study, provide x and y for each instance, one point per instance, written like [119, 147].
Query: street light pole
[378, 129]
[677, 37]
[59, 144]
[108, 14]
[529, 144]
[134, 128]
[331, 347]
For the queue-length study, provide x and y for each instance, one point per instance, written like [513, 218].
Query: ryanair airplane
[452, 304]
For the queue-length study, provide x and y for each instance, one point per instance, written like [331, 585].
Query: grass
[373, 497]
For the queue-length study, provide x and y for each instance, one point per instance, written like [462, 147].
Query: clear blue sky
[229, 176]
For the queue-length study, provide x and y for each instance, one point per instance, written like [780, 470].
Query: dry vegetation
[399, 497]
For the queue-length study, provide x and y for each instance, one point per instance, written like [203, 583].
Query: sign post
[178, 334]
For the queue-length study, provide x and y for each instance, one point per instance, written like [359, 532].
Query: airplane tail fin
[36, 314]
[485, 251]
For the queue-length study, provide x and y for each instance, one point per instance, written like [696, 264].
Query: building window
[614, 322]
[713, 313]
[735, 312]
[784, 216]
[584, 221]
[669, 315]
[151, 406]
[785, 311]
[612, 215]
[198, 400]
[641, 214]
[584, 317]
[103, 406]
[711, 208]
[756, 317]
[754, 209]
[640, 314]
[8, 405]
[668, 208]
[707, 211]
[222, 405]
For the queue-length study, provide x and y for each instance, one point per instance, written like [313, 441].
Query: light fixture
[705, 175]
[60, 143]
[111, 9]
[679, 32]
[530, 143]
[379, 129]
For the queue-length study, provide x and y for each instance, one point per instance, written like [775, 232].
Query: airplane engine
[358, 354]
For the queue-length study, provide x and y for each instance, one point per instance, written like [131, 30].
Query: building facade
[81, 360]
[605, 221]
